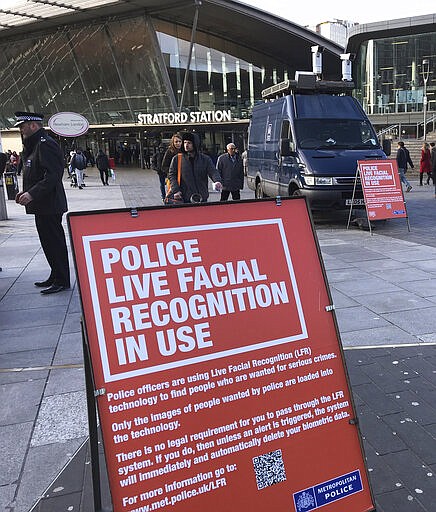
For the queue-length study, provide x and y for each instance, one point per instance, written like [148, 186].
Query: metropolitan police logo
[305, 501]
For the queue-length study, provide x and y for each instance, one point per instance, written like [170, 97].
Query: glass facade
[391, 74]
[114, 70]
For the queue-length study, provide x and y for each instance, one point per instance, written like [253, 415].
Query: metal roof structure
[227, 19]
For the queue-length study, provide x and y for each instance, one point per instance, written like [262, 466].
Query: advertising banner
[219, 373]
[382, 189]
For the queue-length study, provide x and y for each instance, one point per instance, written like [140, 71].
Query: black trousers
[104, 176]
[236, 195]
[52, 237]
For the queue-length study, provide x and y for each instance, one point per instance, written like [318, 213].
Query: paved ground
[384, 289]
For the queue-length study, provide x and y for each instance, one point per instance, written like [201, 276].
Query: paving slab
[357, 318]
[34, 317]
[415, 322]
[63, 381]
[417, 477]
[423, 287]
[14, 440]
[23, 338]
[61, 418]
[402, 275]
[387, 334]
[357, 287]
[394, 301]
[20, 401]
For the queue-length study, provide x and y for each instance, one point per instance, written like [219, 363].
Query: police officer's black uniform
[43, 167]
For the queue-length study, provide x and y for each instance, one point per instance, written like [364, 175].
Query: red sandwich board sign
[382, 189]
[216, 359]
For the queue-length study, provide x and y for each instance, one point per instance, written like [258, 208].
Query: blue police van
[306, 139]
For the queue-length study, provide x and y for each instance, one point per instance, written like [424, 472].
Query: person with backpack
[102, 162]
[78, 164]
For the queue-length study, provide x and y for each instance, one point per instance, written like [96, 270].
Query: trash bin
[11, 183]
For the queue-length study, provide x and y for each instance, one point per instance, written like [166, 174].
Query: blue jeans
[403, 178]
[162, 183]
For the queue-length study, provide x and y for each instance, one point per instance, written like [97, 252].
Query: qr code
[269, 469]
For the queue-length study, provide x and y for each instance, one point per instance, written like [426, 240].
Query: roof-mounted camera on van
[347, 59]
[317, 59]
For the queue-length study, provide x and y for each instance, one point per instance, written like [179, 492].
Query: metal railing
[387, 130]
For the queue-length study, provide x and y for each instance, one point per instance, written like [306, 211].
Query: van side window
[286, 130]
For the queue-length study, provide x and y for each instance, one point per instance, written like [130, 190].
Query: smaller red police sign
[211, 332]
[382, 189]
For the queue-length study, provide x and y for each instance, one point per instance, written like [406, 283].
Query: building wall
[390, 75]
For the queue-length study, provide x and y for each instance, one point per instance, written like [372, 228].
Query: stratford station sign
[198, 117]
[217, 365]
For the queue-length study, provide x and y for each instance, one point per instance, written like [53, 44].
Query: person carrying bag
[169, 197]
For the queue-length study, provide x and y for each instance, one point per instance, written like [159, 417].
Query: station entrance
[134, 146]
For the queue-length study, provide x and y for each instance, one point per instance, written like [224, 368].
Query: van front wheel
[296, 192]
[259, 194]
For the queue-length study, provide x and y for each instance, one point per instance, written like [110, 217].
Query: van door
[288, 170]
[271, 163]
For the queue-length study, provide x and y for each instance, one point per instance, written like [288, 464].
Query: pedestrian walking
[43, 195]
[231, 169]
[156, 165]
[174, 148]
[78, 164]
[403, 158]
[102, 162]
[195, 169]
[425, 163]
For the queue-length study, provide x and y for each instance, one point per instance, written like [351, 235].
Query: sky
[317, 11]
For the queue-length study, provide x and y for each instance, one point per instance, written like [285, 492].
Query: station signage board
[220, 375]
[382, 189]
[197, 117]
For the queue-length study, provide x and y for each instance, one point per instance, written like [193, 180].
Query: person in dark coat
[231, 169]
[403, 158]
[196, 168]
[156, 165]
[3, 160]
[43, 195]
[102, 162]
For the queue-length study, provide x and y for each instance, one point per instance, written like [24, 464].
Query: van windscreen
[335, 134]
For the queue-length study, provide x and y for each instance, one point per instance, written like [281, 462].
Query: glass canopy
[19, 12]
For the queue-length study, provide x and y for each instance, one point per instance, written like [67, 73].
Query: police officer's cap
[25, 117]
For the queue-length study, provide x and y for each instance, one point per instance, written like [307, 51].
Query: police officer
[44, 196]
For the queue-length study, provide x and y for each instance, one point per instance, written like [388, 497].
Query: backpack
[79, 161]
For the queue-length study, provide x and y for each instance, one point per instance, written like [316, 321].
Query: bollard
[3, 211]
